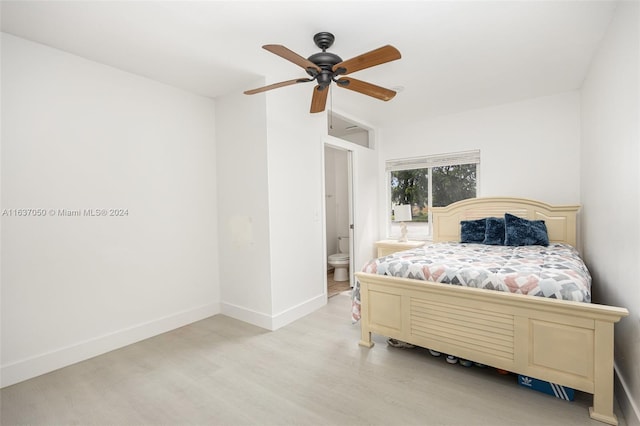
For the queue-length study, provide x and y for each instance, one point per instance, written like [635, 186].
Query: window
[349, 130]
[426, 182]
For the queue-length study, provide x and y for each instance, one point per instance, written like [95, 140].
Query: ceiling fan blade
[366, 60]
[291, 56]
[319, 99]
[276, 85]
[366, 88]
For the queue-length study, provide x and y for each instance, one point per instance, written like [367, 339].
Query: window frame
[427, 162]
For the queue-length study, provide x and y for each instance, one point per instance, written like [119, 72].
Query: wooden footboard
[568, 343]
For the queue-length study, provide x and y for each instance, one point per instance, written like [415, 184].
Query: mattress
[554, 271]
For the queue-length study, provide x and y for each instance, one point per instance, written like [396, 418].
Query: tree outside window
[426, 187]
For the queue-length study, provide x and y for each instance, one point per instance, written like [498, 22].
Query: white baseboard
[276, 321]
[37, 365]
[628, 405]
[305, 308]
[247, 315]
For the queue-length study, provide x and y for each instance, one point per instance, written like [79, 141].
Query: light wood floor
[224, 372]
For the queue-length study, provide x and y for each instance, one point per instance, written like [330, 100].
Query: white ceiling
[455, 55]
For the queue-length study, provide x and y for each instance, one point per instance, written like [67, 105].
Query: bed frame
[563, 342]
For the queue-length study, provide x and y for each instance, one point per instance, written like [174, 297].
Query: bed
[567, 342]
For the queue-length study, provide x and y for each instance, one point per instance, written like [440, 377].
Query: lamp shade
[402, 213]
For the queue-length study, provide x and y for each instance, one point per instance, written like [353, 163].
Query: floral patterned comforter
[555, 271]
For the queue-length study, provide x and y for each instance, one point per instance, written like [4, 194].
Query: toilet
[340, 260]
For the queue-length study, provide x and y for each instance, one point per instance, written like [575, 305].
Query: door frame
[340, 145]
[361, 160]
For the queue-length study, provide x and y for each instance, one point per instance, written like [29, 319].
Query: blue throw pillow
[494, 231]
[472, 231]
[523, 232]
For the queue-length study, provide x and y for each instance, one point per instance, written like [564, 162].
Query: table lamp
[402, 214]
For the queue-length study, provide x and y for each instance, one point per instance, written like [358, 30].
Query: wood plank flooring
[220, 371]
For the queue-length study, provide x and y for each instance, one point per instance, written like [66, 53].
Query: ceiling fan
[325, 67]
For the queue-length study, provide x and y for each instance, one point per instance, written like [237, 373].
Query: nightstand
[386, 247]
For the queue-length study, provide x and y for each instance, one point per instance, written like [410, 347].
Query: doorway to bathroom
[338, 218]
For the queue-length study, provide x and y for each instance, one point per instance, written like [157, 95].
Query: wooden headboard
[560, 220]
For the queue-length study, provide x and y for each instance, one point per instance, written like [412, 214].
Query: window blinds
[451, 159]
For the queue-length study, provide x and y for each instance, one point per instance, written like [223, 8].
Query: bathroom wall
[336, 197]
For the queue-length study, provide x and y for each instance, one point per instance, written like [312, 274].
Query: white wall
[243, 208]
[270, 207]
[296, 214]
[611, 190]
[366, 215]
[80, 135]
[528, 149]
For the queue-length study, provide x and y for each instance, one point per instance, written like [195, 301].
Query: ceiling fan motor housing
[325, 60]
